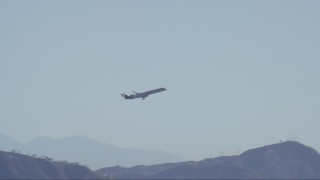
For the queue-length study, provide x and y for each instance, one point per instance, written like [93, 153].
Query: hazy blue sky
[239, 74]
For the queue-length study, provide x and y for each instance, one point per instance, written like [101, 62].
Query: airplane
[142, 95]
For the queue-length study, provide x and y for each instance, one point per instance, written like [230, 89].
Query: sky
[238, 74]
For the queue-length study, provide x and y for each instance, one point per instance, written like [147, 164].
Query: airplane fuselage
[143, 95]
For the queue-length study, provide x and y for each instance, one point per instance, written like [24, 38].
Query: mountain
[18, 166]
[87, 151]
[287, 160]
[7, 143]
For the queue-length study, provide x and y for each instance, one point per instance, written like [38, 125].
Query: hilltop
[287, 160]
[18, 166]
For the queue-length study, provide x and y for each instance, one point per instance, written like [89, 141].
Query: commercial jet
[142, 95]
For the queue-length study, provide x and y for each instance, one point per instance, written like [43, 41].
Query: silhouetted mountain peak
[289, 159]
[286, 160]
[291, 147]
[286, 151]
[18, 166]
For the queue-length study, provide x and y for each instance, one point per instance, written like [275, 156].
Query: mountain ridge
[19, 166]
[285, 160]
[91, 152]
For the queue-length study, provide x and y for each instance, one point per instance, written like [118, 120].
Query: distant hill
[87, 151]
[18, 166]
[287, 160]
[7, 143]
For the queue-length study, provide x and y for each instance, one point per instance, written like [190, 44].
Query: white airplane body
[142, 95]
